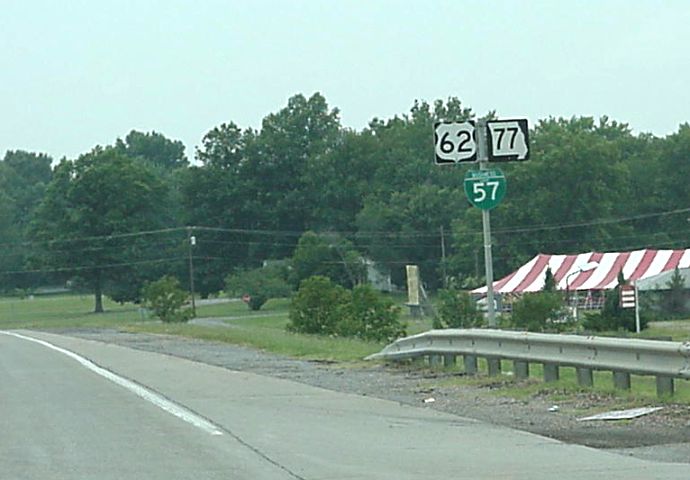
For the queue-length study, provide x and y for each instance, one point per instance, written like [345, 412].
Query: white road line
[156, 399]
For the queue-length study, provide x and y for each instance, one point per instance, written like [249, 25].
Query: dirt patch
[663, 435]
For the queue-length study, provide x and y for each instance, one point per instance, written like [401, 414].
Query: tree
[370, 316]
[329, 256]
[613, 317]
[322, 307]
[23, 180]
[406, 229]
[540, 311]
[276, 162]
[549, 281]
[316, 306]
[153, 147]
[91, 210]
[677, 293]
[261, 284]
[166, 299]
[456, 309]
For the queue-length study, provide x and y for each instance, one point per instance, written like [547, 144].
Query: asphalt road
[135, 414]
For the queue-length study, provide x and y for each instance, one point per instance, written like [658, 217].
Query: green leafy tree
[677, 296]
[538, 312]
[370, 316]
[327, 255]
[613, 317]
[316, 308]
[406, 229]
[23, 180]
[456, 309]
[276, 161]
[549, 281]
[91, 208]
[153, 147]
[261, 284]
[166, 299]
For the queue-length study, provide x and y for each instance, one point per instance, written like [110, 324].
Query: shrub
[370, 316]
[613, 317]
[323, 307]
[261, 284]
[456, 309]
[166, 299]
[540, 311]
[316, 306]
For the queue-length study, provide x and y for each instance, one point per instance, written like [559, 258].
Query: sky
[75, 74]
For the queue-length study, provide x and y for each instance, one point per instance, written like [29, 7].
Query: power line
[93, 267]
[360, 234]
[115, 236]
[591, 223]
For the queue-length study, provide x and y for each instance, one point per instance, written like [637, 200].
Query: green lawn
[643, 388]
[266, 330]
[63, 311]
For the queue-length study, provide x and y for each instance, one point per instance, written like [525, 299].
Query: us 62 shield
[455, 142]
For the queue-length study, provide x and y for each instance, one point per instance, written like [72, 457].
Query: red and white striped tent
[635, 265]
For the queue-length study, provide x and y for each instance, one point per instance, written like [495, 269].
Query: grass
[266, 330]
[643, 388]
[63, 311]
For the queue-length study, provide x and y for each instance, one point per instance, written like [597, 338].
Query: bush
[322, 307]
[456, 309]
[316, 307]
[261, 284]
[369, 316]
[540, 311]
[166, 299]
[613, 317]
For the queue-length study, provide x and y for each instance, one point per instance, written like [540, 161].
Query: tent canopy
[566, 269]
[661, 281]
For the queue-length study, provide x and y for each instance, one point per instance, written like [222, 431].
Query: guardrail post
[521, 369]
[449, 361]
[551, 372]
[494, 365]
[621, 380]
[470, 364]
[664, 386]
[585, 378]
[434, 360]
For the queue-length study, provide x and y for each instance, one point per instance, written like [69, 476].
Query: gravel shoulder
[661, 436]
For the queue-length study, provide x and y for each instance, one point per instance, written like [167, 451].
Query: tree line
[123, 214]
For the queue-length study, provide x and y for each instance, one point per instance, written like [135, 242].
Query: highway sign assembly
[483, 142]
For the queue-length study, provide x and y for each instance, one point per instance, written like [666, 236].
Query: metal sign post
[630, 299]
[637, 308]
[483, 158]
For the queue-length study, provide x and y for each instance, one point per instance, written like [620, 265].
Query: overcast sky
[80, 73]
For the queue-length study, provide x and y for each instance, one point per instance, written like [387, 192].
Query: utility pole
[191, 241]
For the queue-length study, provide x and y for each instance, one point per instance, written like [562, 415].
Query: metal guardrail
[664, 360]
